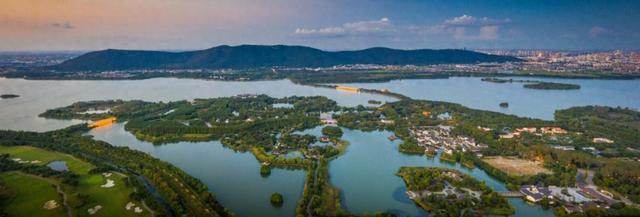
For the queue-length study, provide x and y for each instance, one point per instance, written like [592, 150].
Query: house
[507, 136]
[553, 130]
[327, 118]
[324, 139]
[535, 194]
[329, 121]
[387, 121]
[602, 140]
[564, 148]
[527, 129]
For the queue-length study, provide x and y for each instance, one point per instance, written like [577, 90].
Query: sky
[67, 25]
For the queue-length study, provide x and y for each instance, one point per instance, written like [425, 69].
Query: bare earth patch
[517, 166]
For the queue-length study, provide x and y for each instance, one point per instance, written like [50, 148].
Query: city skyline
[330, 25]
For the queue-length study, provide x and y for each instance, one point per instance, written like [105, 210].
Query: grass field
[30, 194]
[516, 166]
[31, 153]
[33, 192]
[113, 200]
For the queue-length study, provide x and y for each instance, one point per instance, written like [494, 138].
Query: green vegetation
[410, 146]
[276, 199]
[552, 86]
[332, 132]
[81, 187]
[29, 153]
[504, 104]
[178, 193]
[25, 195]
[252, 123]
[466, 197]
[265, 171]
[534, 84]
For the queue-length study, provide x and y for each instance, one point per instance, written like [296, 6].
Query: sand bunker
[94, 209]
[110, 183]
[52, 204]
[137, 210]
[129, 205]
[106, 174]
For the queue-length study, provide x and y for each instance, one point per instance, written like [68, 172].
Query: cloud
[366, 28]
[63, 25]
[596, 31]
[466, 20]
[466, 28]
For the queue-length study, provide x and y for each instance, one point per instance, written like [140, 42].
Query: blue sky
[330, 24]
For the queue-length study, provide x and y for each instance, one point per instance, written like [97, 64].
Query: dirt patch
[517, 166]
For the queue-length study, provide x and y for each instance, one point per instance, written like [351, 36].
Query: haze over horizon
[49, 25]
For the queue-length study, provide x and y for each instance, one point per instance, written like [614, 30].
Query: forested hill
[252, 56]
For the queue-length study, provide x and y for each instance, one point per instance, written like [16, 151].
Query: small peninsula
[534, 84]
[9, 96]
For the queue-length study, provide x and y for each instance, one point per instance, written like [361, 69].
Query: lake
[474, 93]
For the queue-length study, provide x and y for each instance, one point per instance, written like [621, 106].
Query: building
[327, 118]
[535, 194]
[553, 130]
[387, 121]
[602, 140]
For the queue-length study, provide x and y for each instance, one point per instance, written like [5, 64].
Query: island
[276, 199]
[446, 192]
[534, 84]
[504, 105]
[552, 86]
[9, 96]
[374, 102]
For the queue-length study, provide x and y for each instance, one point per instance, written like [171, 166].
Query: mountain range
[254, 56]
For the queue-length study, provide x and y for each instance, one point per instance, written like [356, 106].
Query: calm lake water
[233, 177]
[474, 93]
[365, 173]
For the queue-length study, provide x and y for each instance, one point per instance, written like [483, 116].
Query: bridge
[511, 194]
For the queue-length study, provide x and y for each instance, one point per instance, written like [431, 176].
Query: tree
[277, 199]
[332, 131]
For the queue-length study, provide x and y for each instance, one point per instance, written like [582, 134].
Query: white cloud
[596, 31]
[461, 20]
[466, 20]
[466, 28]
[373, 27]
